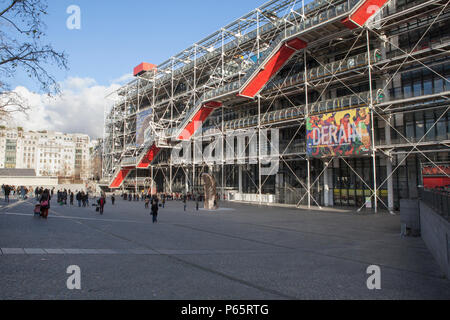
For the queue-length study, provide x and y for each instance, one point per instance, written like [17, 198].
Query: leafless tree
[23, 49]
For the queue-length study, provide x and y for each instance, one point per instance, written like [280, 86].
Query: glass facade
[10, 153]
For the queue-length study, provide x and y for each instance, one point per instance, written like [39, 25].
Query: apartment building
[49, 153]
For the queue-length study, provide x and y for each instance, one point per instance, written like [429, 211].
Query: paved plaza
[240, 252]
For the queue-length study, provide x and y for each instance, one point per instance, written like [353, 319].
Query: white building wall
[2, 151]
[49, 153]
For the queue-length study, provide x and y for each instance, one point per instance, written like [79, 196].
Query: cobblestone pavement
[240, 252]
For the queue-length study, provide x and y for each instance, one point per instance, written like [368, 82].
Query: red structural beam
[363, 13]
[149, 157]
[121, 176]
[198, 119]
[272, 67]
[144, 164]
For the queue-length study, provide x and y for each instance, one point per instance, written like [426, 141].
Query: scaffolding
[273, 69]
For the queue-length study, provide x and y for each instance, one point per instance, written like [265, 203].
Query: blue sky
[116, 36]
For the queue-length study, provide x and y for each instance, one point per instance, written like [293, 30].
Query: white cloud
[76, 84]
[79, 108]
[123, 79]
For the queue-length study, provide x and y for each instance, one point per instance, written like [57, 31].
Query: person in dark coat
[155, 211]
[79, 198]
[83, 199]
[45, 203]
[7, 191]
[102, 202]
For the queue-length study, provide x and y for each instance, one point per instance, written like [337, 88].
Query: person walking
[102, 202]
[154, 212]
[184, 202]
[113, 199]
[83, 199]
[163, 200]
[71, 198]
[147, 201]
[196, 202]
[156, 199]
[7, 191]
[78, 197]
[45, 203]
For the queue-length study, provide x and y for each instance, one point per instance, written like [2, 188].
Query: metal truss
[214, 68]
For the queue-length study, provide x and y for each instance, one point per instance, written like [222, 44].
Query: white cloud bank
[79, 109]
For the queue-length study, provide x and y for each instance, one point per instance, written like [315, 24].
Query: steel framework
[273, 68]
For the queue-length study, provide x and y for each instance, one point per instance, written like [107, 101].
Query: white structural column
[223, 147]
[170, 175]
[193, 177]
[240, 178]
[390, 182]
[186, 180]
[309, 182]
[153, 179]
[326, 186]
[307, 115]
[259, 151]
[375, 191]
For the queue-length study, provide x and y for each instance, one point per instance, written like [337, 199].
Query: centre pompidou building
[315, 103]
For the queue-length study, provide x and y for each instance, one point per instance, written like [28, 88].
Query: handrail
[307, 24]
[315, 73]
[330, 105]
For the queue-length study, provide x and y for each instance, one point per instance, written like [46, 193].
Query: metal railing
[291, 32]
[438, 200]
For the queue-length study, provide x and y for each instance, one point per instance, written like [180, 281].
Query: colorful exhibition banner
[344, 133]
[143, 130]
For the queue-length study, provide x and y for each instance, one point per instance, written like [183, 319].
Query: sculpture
[211, 201]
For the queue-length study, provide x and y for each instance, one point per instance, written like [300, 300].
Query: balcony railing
[438, 200]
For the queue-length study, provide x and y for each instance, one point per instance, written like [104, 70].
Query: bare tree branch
[22, 49]
[8, 8]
